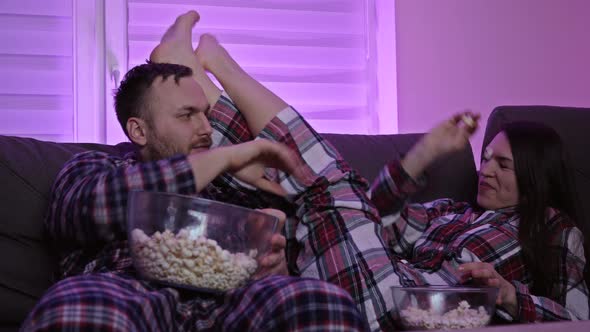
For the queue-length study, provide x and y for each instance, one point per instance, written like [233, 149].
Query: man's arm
[89, 198]
[88, 203]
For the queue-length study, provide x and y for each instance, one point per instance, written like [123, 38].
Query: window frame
[97, 122]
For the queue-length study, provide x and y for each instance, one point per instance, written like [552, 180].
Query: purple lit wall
[478, 54]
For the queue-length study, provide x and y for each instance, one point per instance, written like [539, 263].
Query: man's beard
[157, 148]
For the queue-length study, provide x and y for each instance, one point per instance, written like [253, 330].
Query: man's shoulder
[101, 155]
[98, 159]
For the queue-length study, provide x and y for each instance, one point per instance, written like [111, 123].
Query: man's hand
[484, 274]
[247, 161]
[275, 262]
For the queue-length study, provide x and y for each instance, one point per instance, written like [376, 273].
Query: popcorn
[199, 262]
[488, 153]
[461, 317]
[468, 120]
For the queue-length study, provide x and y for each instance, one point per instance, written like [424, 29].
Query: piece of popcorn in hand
[468, 120]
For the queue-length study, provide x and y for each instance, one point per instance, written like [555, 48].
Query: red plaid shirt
[439, 235]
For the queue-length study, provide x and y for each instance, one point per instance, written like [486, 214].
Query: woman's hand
[451, 135]
[484, 274]
[448, 137]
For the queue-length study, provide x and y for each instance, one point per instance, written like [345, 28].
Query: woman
[521, 236]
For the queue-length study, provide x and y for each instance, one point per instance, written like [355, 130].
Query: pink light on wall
[477, 54]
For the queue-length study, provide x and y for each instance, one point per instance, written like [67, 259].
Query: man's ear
[137, 130]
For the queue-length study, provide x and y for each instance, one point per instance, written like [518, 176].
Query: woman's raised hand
[452, 135]
[449, 136]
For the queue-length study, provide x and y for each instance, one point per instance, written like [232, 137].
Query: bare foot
[176, 47]
[176, 44]
[210, 52]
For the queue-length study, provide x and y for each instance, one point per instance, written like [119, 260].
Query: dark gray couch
[28, 168]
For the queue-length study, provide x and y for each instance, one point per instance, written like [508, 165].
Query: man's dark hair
[132, 99]
[544, 177]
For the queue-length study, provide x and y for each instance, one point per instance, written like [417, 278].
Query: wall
[478, 54]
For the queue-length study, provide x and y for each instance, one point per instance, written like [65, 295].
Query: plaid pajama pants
[111, 302]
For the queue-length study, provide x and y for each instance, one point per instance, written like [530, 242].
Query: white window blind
[36, 72]
[314, 54]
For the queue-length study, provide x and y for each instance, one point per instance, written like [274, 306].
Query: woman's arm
[516, 303]
[570, 280]
[403, 222]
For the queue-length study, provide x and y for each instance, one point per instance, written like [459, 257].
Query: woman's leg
[176, 47]
[229, 125]
[258, 104]
[336, 228]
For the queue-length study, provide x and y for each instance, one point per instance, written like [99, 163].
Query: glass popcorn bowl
[195, 243]
[443, 307]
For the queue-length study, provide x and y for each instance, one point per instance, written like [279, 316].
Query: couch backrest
[454, 177]
[572, 124]
[28, 168]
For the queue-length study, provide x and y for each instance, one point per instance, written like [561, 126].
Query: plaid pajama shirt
[99, 291]
[439, 235]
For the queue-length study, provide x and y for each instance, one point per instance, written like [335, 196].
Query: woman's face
[497, 179]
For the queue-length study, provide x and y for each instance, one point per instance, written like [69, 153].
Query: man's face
[179, 121]
[497, 179]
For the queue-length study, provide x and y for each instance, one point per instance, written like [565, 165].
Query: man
[164, 113]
